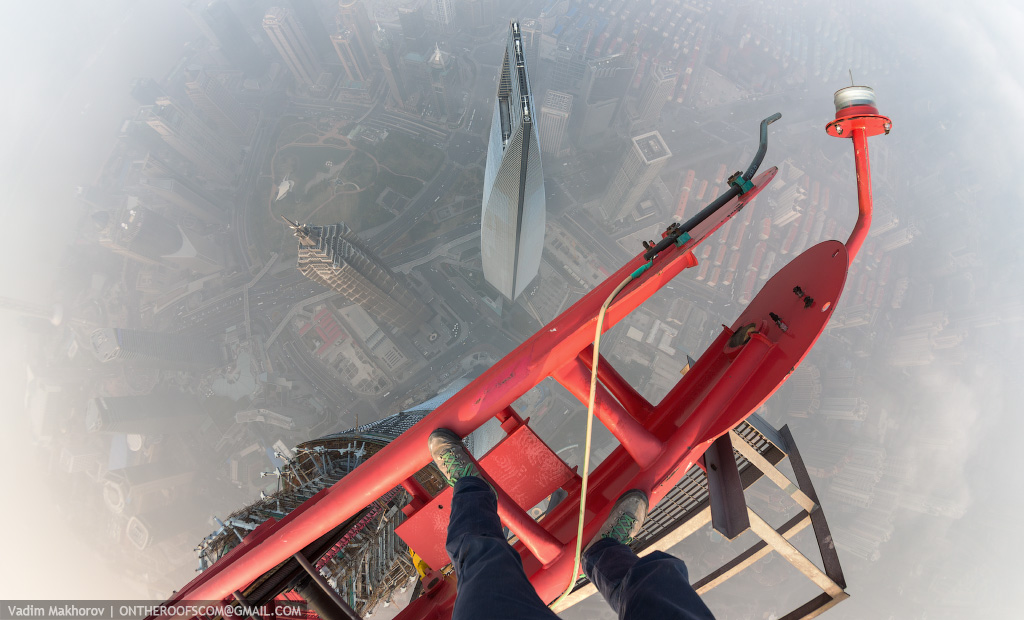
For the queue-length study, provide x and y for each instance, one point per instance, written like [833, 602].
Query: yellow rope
[590, 427]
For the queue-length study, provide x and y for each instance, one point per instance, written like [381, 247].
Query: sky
[956, 100]
[69, 95]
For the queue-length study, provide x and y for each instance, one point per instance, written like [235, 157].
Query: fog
[904, 410]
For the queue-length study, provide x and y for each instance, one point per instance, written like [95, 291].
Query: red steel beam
[619, 388]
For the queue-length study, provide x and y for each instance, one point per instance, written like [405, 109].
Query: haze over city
[240, 231]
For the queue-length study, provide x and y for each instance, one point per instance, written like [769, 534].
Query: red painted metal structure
[659, 442]
[857, 117]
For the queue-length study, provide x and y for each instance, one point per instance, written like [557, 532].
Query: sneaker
[626, 518]
[450, 455]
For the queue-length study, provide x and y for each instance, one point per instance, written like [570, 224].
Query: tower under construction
[362, 559]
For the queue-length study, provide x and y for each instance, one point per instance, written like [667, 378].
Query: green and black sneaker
[626, 518]
[450, 455]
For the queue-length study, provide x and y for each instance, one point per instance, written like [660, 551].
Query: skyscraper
[657, 87]
[147, 90]
[444, 13]
[292, 44]
[604, 87]
[645, 158]
[387, 53]
[114, 344]
[354, 41]
[364, 559]
[444, 81]
[222, 27]
[215, 159]
[312, 22]
[475, 13]
[219, 105]
[347, 48]
[530, 30]
[335, 257]
[414, 29]
[570, 59]
[513, 219]
[554, 117]
[178, 192]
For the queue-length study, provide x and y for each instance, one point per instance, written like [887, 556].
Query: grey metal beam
[792, 555]
[769, 432]
[245, 605]
[753, 554]
[827, 547]
[697, 516]
[342, 608]
[815, 607]
[748, 452]
[728, 506]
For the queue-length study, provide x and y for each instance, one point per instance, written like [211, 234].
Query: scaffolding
[362, 559]
[713, 493]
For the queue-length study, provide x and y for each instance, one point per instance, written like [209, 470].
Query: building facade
[514, 211]
[530, 31]
[444, 84]
[293, 45]
[219, 23]
[219, 105]
[657, 88]
[475, 13]
[554, 118]
[390, 60]
[213, 157]
[312, 22]
[354, 41]
[444, 14]
[643, 162]
[183, 196]
[605, 83]
[335, 257]
[569, 60]
[414, 29]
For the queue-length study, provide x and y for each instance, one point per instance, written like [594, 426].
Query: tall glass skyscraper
[512, 224]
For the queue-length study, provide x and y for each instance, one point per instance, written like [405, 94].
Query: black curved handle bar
[676, 230]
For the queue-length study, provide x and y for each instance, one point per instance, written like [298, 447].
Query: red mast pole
[857, 118]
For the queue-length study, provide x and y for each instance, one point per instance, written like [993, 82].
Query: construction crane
[705, 428]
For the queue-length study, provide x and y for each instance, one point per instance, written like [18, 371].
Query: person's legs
[491, 582]
[655, 586]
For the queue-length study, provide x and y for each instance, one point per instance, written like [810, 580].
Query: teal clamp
[683, 238]
[636, 274]
[740, 183]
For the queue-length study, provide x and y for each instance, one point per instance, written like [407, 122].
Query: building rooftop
[652, 147]
[558, 101]
[275, 13]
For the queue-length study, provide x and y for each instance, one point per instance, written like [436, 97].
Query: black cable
[677, 230]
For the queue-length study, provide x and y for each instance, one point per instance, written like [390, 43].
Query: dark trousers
[493, 586]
